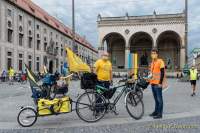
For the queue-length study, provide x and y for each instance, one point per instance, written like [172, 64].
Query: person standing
[193, 78]
[4, 74]
[157, 73]
[103, 69]
[11, 75]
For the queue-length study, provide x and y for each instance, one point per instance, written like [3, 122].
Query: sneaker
[153, 114]
[192, 94]
[159, 116]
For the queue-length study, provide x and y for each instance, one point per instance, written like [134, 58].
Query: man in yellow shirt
[103, 69]
[193, 78]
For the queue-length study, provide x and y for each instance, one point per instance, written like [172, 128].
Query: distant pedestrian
[3, 75]
[11, 75]
[193, 78]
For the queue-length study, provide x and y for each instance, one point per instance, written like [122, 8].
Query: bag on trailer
[57, 105]
[88, 81]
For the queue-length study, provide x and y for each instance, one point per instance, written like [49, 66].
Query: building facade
[197, 62]
[30, 35]
[121, 36]
[193, 59]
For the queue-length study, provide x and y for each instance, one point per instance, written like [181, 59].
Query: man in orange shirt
[156, 80]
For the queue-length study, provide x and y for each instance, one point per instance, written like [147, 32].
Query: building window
[30, 61]
[20, 62]
[61, 52]
[29, 32]
[38, 44]
[45, 46]
[9, 60]
[20, 17]
[38, 35]
[45, 60]
[9, 24]
[20, 29]
[21, 39]
[57, 63]
[10, 35]
[38, 27]
[30, 39]
[38, 64]
[29, 22]
[9, 12]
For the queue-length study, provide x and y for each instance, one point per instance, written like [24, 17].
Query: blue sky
[87, 11]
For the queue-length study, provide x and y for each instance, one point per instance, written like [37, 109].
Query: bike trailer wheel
[27, 117]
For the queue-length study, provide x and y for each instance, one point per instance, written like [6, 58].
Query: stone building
[30, 35]
[197, 62]
[195, 53]
[139, 34]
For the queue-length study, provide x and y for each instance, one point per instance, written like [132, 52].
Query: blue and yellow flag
[75, 63]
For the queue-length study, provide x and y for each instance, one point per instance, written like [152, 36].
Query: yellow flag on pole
[75, 63]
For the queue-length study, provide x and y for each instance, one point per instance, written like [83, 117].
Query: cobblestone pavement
[179, 108]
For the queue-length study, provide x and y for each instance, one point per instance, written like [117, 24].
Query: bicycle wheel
[27, 117]
[134, 105]
[90, 106]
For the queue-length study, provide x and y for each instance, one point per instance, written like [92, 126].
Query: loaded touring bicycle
[49, 96]
[90, 106]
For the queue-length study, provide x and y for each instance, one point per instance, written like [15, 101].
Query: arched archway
[115, 43]
[141, 43]
[169, 44]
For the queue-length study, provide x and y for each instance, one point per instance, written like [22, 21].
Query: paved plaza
[178, 107]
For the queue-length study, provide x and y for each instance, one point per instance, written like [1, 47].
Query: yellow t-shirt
[103, 69]
[11, 72]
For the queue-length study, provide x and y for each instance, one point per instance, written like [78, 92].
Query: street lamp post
[186, 28]
[73, 26]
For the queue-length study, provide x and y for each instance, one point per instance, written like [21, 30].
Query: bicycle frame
[120, 94]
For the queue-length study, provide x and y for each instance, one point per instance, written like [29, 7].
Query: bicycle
[132, 101]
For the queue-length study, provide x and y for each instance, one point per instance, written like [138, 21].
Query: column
[127, 52]
[182, 57]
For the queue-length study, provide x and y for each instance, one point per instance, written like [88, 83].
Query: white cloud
[87, 11]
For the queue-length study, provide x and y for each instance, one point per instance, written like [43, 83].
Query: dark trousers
[105, 84]
[157, 94]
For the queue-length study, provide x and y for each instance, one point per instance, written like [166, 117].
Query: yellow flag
[75, 63]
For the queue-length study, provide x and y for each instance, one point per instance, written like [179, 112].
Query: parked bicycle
[99, 100]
